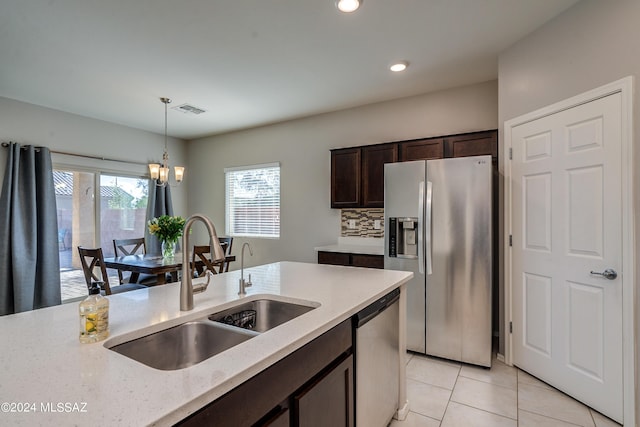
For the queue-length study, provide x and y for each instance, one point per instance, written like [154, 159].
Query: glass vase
[168, 249]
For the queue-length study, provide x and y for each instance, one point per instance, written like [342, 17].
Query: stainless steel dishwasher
[377, 361]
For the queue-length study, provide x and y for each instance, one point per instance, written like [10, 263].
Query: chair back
[124, 247]
[90, 260]
[229, 243]
[201, 260]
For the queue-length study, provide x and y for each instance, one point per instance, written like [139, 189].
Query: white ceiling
[247, 62]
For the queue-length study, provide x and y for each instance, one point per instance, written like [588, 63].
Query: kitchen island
[49, 378]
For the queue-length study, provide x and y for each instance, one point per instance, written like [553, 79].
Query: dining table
[152, 264]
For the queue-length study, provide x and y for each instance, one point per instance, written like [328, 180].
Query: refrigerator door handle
[421, 227]
[428, 226]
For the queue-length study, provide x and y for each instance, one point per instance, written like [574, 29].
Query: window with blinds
[253, 201]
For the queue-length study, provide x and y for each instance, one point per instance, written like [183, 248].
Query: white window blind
[253, 201]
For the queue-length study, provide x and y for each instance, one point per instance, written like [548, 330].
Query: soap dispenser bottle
[94, 316]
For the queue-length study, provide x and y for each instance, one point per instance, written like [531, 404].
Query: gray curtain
[158, 204]
[29, 259]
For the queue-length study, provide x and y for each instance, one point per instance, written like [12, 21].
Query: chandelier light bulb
[179, 171]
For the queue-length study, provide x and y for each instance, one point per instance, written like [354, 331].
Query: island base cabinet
[327, 401]
[292, 391]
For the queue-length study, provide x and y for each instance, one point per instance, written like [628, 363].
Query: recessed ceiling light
[348, 6]
[399, 66]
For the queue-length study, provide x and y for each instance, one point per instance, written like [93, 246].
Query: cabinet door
[370, 261]
[373, 159]
[345, 178]
[472, 144]
[328, 400]
[422, 149]
[334, 258]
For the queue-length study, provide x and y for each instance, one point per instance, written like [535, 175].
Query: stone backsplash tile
[365, 222]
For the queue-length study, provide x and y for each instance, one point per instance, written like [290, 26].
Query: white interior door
[566, 223]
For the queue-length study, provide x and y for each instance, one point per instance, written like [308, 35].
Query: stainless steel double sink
[192, 342]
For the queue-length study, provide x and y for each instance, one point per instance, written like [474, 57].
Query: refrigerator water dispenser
[403, 237]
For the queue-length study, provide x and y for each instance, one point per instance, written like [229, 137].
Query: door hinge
[510, 153]
[510, 240]
[510, 327]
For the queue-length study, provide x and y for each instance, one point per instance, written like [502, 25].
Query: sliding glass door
[93, 209]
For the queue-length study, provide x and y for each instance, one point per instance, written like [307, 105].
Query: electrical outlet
[376, 224]
[351, 224]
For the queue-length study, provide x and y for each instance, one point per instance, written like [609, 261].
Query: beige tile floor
[449, 394]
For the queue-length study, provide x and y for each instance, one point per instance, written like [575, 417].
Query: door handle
[607, 274]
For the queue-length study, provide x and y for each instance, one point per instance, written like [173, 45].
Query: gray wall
[591, 44]
[302, 147]
[30, 124]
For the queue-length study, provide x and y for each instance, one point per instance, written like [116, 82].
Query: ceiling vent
[189, 109]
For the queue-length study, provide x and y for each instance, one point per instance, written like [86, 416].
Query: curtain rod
[86, 156]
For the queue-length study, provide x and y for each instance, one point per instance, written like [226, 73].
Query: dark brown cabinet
[373, 160]
[295, 391]
[463, 145]
[334, 258]
[345, 178]
[357, 175]
[422, 149]
[472, 144]
[327, 401]
[351, 260]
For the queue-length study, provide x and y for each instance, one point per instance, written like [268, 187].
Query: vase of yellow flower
[168, 229]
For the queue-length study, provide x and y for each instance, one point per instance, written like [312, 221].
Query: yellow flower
[167, 228]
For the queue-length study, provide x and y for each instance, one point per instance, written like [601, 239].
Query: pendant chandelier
[160, 172]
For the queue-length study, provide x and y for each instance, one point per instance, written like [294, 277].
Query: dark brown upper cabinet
[373, 160]
[345, 178]
[472, 144]
[357, 174]
[422, 149]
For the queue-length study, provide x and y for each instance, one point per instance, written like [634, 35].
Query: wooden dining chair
[136, 246]
[201, 260]
[92, 259]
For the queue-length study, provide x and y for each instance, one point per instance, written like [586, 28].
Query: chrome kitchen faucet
[242, 283]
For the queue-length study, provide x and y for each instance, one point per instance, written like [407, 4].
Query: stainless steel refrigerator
[437, 216]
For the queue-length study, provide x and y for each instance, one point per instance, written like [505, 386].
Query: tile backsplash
[363, 222]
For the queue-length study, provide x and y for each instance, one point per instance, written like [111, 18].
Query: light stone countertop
[354, 245]
[43, 365]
